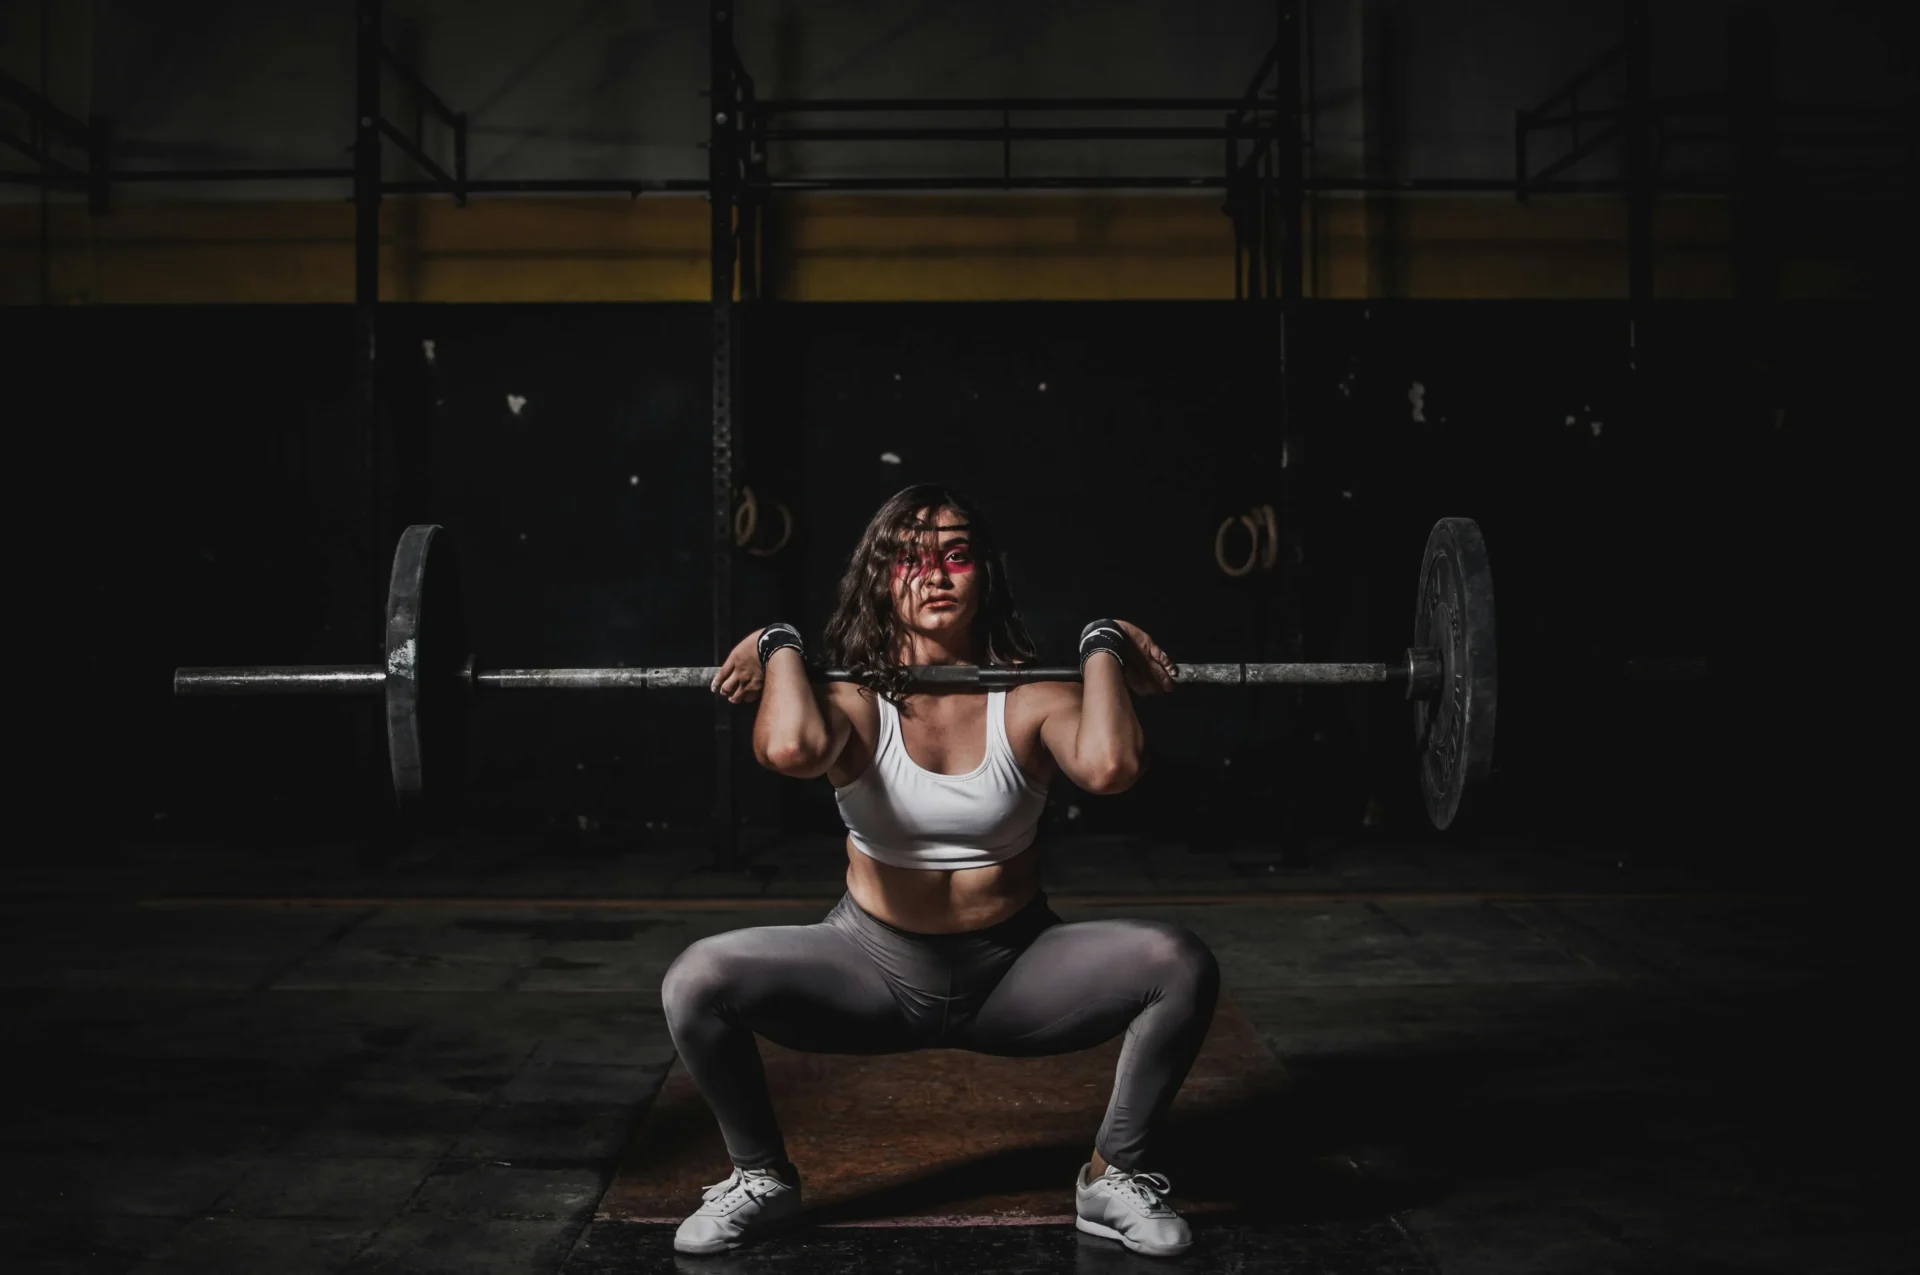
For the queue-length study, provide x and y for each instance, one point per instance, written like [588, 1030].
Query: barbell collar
[1424, 672]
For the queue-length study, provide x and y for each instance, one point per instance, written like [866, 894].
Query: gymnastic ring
[746, 518]
[786, 531]
[1270, 554]
[1220, 545]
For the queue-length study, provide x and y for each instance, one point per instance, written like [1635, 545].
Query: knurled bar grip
[939, 675]
[368, 679]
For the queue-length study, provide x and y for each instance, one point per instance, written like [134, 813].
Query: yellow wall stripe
[830, 247]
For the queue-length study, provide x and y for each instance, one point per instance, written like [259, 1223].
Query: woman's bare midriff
[943, 902]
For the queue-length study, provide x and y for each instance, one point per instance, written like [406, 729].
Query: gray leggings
[853, 984]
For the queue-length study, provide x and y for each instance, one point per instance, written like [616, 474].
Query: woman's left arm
[1095, 736]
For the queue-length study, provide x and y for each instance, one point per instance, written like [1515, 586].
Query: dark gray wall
[198, 505]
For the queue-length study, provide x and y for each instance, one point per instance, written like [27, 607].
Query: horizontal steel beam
[907, 105]
[1016, 133]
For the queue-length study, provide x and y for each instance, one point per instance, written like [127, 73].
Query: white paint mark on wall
[1418, 397]
[1043, 387]
[515, 402]
[426, 348]
[889, 458]
[1596, 428]
[633, 480]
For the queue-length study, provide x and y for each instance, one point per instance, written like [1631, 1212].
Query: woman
[944, 937]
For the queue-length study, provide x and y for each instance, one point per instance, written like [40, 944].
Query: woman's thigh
[807, 987]
[1079, 984]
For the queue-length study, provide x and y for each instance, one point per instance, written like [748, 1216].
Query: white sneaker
[1131, 1208]
[746, 1207]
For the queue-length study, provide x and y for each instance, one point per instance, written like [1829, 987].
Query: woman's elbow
[1113, 775]
[791, 757]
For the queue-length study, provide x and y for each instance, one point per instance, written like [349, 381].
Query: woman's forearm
[789, 734]
[1110, 746]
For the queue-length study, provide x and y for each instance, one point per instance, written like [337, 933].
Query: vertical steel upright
[1754, 128]
[1287, 160]
[723, 131]
[1288, 190]
[1639, 147]
[1289, 155]
[366, 283]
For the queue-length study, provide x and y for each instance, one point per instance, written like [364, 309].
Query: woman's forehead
[947, 524]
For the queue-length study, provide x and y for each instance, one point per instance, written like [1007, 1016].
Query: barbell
[1448, 673]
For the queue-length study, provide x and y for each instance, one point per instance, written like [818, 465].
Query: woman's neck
[918, 648]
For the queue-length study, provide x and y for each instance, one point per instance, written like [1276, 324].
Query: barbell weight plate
[1453, 728]
[426, 654]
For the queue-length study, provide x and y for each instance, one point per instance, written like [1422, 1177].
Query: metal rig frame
[1265, 137]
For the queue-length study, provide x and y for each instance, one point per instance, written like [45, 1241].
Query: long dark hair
[864, 633]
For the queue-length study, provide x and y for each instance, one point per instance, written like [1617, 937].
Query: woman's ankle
[782, 1169]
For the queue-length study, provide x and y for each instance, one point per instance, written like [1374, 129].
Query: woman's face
[935, 586]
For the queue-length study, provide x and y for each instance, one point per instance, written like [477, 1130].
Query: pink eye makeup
[956, 558]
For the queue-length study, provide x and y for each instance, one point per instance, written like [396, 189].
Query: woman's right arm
[799, 730]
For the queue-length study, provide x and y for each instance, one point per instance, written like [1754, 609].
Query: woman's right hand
[741, 677]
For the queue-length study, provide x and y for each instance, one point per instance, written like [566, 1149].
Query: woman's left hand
[1149, 671]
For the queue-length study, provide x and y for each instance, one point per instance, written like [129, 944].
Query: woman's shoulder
[851, 698]
[1041, 698]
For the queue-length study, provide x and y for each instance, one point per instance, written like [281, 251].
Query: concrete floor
[1514, 1060]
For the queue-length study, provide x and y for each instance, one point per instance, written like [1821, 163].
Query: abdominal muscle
[943, 901]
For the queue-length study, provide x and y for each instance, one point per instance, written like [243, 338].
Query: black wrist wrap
[775, 636]
[1102, 635]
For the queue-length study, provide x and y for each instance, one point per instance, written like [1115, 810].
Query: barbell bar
[1449, 673]
[1419, 672]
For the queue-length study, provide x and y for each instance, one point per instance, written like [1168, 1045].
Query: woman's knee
[1178, 956]
[700, 978]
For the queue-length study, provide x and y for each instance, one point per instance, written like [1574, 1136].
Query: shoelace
[736, 1182]
[1146, 1187]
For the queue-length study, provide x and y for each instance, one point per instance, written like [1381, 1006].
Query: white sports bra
[909, 817]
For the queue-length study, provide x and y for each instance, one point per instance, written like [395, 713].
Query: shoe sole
[1108, 1233]
[770, 1231]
